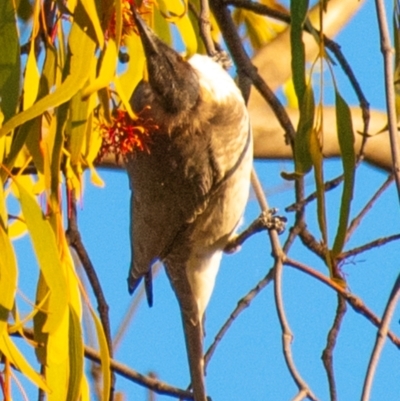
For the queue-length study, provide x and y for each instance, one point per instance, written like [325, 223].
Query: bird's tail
[192, 326]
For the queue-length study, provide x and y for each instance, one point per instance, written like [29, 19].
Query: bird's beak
[148, 38]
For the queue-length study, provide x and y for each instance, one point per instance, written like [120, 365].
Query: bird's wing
[171, 186]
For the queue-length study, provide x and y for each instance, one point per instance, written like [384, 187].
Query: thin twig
[287, 336]
[355, 302]
[368, 246]
[245, 66]
[329, 185]
[387, 52]
[380, 339]
[263, 9]
[327, 354]
[240, 307]
[357, 220]
[205, 27]
[125, 371]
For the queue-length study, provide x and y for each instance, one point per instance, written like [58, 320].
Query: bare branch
[75, 241]
[369, 246]
[387, 52]
[240, 307]
[327, 354]
[355, 302]
[279, 257]
[380, 339]
[357, 220]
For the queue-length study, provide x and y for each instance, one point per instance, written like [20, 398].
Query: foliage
[67, 72]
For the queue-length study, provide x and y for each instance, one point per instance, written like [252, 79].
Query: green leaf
[30, 128]
[56, 151]
[346, 142]
[45, 247]
[75, 356]
[298, 12]
[317, 161]
[81, 49]
[9, 60]
[39, 320]
[302, 156]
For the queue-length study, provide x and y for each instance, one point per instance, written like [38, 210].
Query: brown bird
[190, 190]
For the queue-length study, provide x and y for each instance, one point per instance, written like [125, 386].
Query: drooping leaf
[75, 357]
[29, 128]
[107, 69]
[134, 73]
[8, 278]
[298, 12]
[346, 142]
[13, 354]
[46, 250]
[176, 11]
[31, 81]
[78, 116]
[90, 8]
[57, 362]
[302, 156]
[81, 47]
[9, 60]
[104, 356]
[317, 161]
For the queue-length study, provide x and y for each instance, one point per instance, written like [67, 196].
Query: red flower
[125, 135]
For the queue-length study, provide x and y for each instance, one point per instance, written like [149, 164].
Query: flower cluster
[125, 136]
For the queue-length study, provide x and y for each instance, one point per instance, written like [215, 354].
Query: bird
[190, 189]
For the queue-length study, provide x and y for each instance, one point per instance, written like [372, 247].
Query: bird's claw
[270, 221]
[266, 221]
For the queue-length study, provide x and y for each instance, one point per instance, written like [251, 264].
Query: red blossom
[125, 135]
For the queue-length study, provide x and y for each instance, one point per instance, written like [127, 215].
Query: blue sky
[248, 364]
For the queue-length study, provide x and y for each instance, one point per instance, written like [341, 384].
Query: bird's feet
[222, 58]
[266, 221]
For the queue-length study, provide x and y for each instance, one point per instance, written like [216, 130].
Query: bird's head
[171, 78]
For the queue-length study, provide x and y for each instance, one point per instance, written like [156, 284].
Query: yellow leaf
[104, 356]
[134, 73]
[85, 389]
[176, 12]
[46, 250]
[82, 49]
[90, 8]
[75, 356]
[290, 93]
[95, 178]
[94, 140]
[13, 354]
[31, 81]
[121, 91]
[107, 69]
[57, 360]
[8, 278]
[188, 35]
[17, 228]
